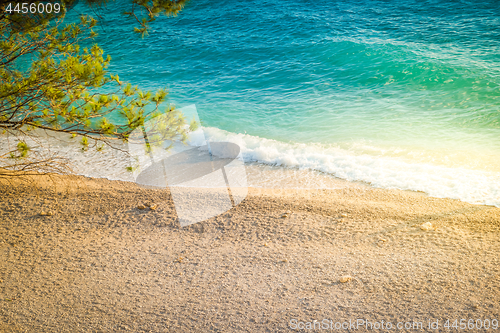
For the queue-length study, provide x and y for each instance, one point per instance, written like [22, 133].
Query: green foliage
[149, 10]
[22, 150]
[49, 82]
[193, 126]
[142, 11]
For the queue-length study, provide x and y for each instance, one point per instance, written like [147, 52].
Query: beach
[275, 262]
[252, 166]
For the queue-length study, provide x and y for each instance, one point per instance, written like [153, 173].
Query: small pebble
[44, 213]
[426, 226]
[343, 215]
[284, 216]
[345, 278]
[141, 207]
[153, 206]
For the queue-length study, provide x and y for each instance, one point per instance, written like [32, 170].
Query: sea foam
[473, 186]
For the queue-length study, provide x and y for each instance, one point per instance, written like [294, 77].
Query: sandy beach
[100, 264]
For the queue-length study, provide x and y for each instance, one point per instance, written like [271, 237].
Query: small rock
[153, 206]
[46, 213]
[284, 216]
[426, 226]
[288, 212]
[265, 244]
[141, 207]
[383, 240]
[345, 279]
[343, 215]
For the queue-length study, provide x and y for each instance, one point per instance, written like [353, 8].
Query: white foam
[473, 186]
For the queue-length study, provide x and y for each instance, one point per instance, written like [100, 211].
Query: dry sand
[99, 264]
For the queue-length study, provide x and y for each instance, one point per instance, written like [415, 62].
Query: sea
[396, 94]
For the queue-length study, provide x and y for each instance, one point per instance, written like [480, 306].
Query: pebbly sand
[99, 264]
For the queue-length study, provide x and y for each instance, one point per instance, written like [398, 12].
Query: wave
[473, 186]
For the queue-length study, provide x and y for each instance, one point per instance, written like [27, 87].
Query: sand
[99, 264]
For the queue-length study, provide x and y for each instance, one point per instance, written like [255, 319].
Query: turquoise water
[400, 94]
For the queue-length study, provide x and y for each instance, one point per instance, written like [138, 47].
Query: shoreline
[101, 264]
[311, 165]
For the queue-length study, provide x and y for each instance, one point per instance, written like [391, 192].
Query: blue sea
[397, 94]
